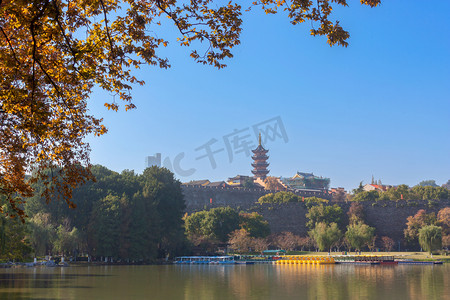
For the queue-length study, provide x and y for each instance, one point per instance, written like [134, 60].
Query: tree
[14, 244]
[325, 214]
[359, 234]
[443, 220]
[446, 241]
[254, 224]
[414, 223]
[53, 54]
[104, 228]
[164, 192]
[42, 233]
[355, 213]
[280, 197]
[325, 235]
[366, 196]
[286, 240]
[359, 189]
[447, 185]
[240, 240]
[260, 244]
[66, 240]
[215, 224]
[430, 238]
[388, 243]
[428, 183]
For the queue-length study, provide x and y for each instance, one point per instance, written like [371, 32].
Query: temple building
[306, 181]
[260, 163]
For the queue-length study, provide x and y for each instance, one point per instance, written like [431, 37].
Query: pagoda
[260, 163]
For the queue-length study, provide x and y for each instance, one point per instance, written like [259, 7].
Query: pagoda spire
[260, 163]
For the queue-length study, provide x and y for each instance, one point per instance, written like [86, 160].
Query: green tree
[280, 197]
[398, 193]
[447, 185]
[325, 235]
[215, 224]
[428, 183]
[430, 192]
[14, 244]
[430, 238]
[42, 233]
[359, 189]
[220, 222]
[326, 214]
[104, 227]
[254, 224]
[311, 201]
[359, 234]
[366, 196]
[193, 224]
[66, 241]
[160, 186]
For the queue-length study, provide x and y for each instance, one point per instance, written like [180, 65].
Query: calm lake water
[228, 282]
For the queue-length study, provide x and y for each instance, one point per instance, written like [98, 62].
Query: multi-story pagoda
[260, 163]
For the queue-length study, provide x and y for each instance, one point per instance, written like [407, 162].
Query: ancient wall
[388, 217]
[199, 197]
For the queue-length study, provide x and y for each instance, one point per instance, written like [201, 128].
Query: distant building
[260, 163]
[217, 184]
[376, 187]
[154, 160]
[309, 181]
[204, 182]
[242, 181]
[239, 180]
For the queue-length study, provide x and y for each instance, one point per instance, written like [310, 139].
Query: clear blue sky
[380, 107]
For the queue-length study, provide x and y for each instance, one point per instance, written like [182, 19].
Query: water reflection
[228, 282]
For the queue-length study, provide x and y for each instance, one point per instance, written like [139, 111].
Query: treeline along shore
[143, 218]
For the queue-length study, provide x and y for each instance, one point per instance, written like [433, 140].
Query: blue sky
[379, 107]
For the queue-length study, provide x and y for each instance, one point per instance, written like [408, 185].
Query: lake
[228, 282]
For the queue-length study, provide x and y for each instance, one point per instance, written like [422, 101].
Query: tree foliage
[428, 183]
[14, 244]
[359, 234]
[218, 223]
[325, 235]
[123, 216]
[53, 53]
[388, 243]
[404, 192]
[416, 222]
[280, 197]
[324, 214]
[443, 220]
[355, 213]
[240, 240]
[430, 238]
[254, 224]
[286, 240]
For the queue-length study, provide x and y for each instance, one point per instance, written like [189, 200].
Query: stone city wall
[388, 217]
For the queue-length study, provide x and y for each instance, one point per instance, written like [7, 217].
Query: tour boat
[213, 260]
[365, 259]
